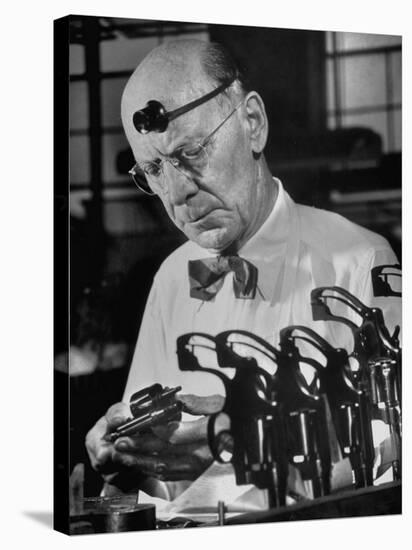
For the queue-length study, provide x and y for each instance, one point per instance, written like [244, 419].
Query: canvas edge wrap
[61, 271]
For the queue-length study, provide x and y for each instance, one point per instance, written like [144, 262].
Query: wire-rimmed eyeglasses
[190, 159]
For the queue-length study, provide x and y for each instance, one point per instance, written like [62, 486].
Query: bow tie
[206, 277]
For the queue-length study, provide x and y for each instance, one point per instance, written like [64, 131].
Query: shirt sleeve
[150, 353]
[148, 365]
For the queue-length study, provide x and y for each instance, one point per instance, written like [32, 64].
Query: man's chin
[216, 240]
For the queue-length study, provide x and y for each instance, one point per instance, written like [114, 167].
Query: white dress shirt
[298, 248]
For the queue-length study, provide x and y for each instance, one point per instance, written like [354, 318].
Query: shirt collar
[269, 240]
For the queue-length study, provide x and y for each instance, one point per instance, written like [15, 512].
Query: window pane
[76, 59]
[79, 111]
[374, 121]
[331, 122]
[330, 86]
[356, 41]
[111, 95]
[112, 145]
[363, 81]
[125, 53]
[329, 41]
[77, 199]
[203, 35]
[79, 159]
[396, 74]
[397, 118]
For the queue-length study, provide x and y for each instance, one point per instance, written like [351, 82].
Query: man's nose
[180, 185]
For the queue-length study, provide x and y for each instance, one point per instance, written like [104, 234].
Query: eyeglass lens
[193, 161]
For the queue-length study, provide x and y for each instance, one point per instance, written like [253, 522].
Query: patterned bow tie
[206, 277]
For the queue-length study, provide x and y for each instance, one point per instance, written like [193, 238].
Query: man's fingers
[173, 451]
[188, 465]
[187, 432]
[195, 404]
[142, 444]
[99, 451]
[180, 433]
[177, 469]
[94, 436]
[148, 465]
[117, 415]
[192, 462]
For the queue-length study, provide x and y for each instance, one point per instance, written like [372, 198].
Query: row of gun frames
[280, 418]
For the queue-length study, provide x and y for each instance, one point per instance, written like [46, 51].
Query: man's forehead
[172, 88]
[171, 74]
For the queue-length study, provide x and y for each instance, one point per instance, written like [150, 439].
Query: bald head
[168, 67]
[175, 73]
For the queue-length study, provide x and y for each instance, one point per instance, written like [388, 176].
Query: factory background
[334, 107]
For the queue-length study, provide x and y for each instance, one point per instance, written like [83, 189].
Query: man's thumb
[195, 404]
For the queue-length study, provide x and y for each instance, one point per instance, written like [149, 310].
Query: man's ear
[257, 121]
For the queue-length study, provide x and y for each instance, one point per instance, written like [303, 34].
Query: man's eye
[192, 152]
[152, 170]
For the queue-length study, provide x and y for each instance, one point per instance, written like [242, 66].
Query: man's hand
[102, 454]
[172, 452]
[175, 451]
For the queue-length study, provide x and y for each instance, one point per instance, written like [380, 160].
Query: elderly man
[251, 260]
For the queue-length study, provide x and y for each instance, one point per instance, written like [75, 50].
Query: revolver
[379, 356]
[349, 405]
[150, 407]
[305, 410]
[254, 443]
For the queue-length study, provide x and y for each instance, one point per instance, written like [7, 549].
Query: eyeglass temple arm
[207, 139]
[171, 115]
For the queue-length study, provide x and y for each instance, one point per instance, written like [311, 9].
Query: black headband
[155, 118]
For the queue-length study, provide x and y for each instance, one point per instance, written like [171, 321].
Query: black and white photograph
[228, 230]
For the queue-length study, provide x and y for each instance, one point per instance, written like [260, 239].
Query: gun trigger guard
[213, 440]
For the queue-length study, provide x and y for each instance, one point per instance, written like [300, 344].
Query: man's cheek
[171, 213]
